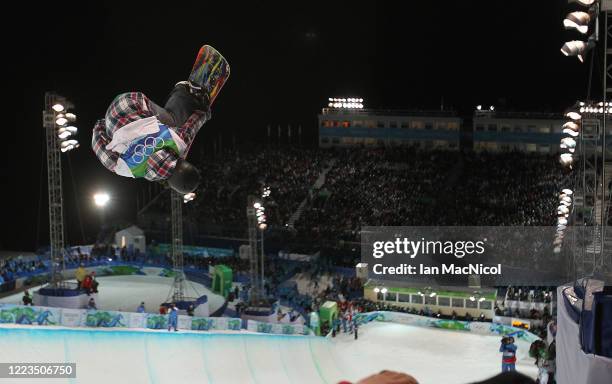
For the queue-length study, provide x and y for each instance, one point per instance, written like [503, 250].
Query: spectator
[80, 274]
[91, 305]
[141, 308]
[27, 299]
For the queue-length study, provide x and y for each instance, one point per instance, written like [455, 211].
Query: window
[380, 142]
[380, 124]
[457, 302]
[403, 297]
[417, 124]
[471, 304]
[417, 299]
[335, 140]
[393, 124]
[430, 300]
[453, 126]
[545, 129]
[336, 123]
[369, 141]
[404, 124]
[531, 128]
[505, 128]
[492, 128]
[391, 296]
[346, 124]
[358, 123]
[325, 140]
[518, 128]
[444, 301]
[530, 147]
[486, 304]
[479, 127]
[544, 149]
[347, 140]
[441, 125]
[380, 296]
[370, 124]
[328, 123]
[429, 125]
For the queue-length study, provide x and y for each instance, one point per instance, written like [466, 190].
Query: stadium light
[586, 3]
[101, 199]
[573, 114]
[566, 159]
[68, 145]
[61, 120]
[577, 20]
[481, 299]
[472, 298]
[189, 197]
[383, 290]
[577, 48]
[376, 289]
[567, 191]
[479, 107]
[58, 107]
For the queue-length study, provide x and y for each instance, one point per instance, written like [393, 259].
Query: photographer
[508, 350]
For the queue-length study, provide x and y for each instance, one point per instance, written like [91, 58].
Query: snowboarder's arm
[188, 131]
[160, 165]
[98, 143]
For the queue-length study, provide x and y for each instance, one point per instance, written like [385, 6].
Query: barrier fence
[36, 315]
[482, 328]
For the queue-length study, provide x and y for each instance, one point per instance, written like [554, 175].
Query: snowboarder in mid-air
[139, 139]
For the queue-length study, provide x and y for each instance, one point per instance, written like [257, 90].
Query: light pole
[59, 136]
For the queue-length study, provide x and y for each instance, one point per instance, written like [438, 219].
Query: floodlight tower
[256, 218]
[177, 200]
[59, 138]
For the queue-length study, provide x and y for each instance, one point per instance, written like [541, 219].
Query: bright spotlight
[577, 48]
[69, 145]
[58, 107]
[376, 289]
[71, 116]
[567, 191]
[566, 159]
[257, 205]
[263, 226]
[101, 199]
[384, 290]
[578, 21]
[573, 115]
[472, 298]
[61, 120]
[481, 299]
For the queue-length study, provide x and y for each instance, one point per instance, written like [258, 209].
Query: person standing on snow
[173, 318]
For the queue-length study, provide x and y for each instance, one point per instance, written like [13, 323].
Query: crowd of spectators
[375, 187]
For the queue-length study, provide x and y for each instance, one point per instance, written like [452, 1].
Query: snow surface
[102, 356]
[125, 293]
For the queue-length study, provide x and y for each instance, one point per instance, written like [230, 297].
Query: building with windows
[519, 131]
[345, 127]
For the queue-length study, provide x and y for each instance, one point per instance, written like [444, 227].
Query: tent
[132, 238]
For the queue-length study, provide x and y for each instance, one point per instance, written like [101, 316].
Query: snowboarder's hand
[389, 377]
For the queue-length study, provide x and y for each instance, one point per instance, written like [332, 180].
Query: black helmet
[185, 177]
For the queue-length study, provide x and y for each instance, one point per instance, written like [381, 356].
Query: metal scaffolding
[54, 182]
[178, 288]
[256, 261]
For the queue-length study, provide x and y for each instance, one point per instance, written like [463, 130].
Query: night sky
[286, 60]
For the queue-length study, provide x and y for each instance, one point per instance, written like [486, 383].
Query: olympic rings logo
[142, 151]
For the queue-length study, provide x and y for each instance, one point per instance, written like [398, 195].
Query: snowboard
[210, 71]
